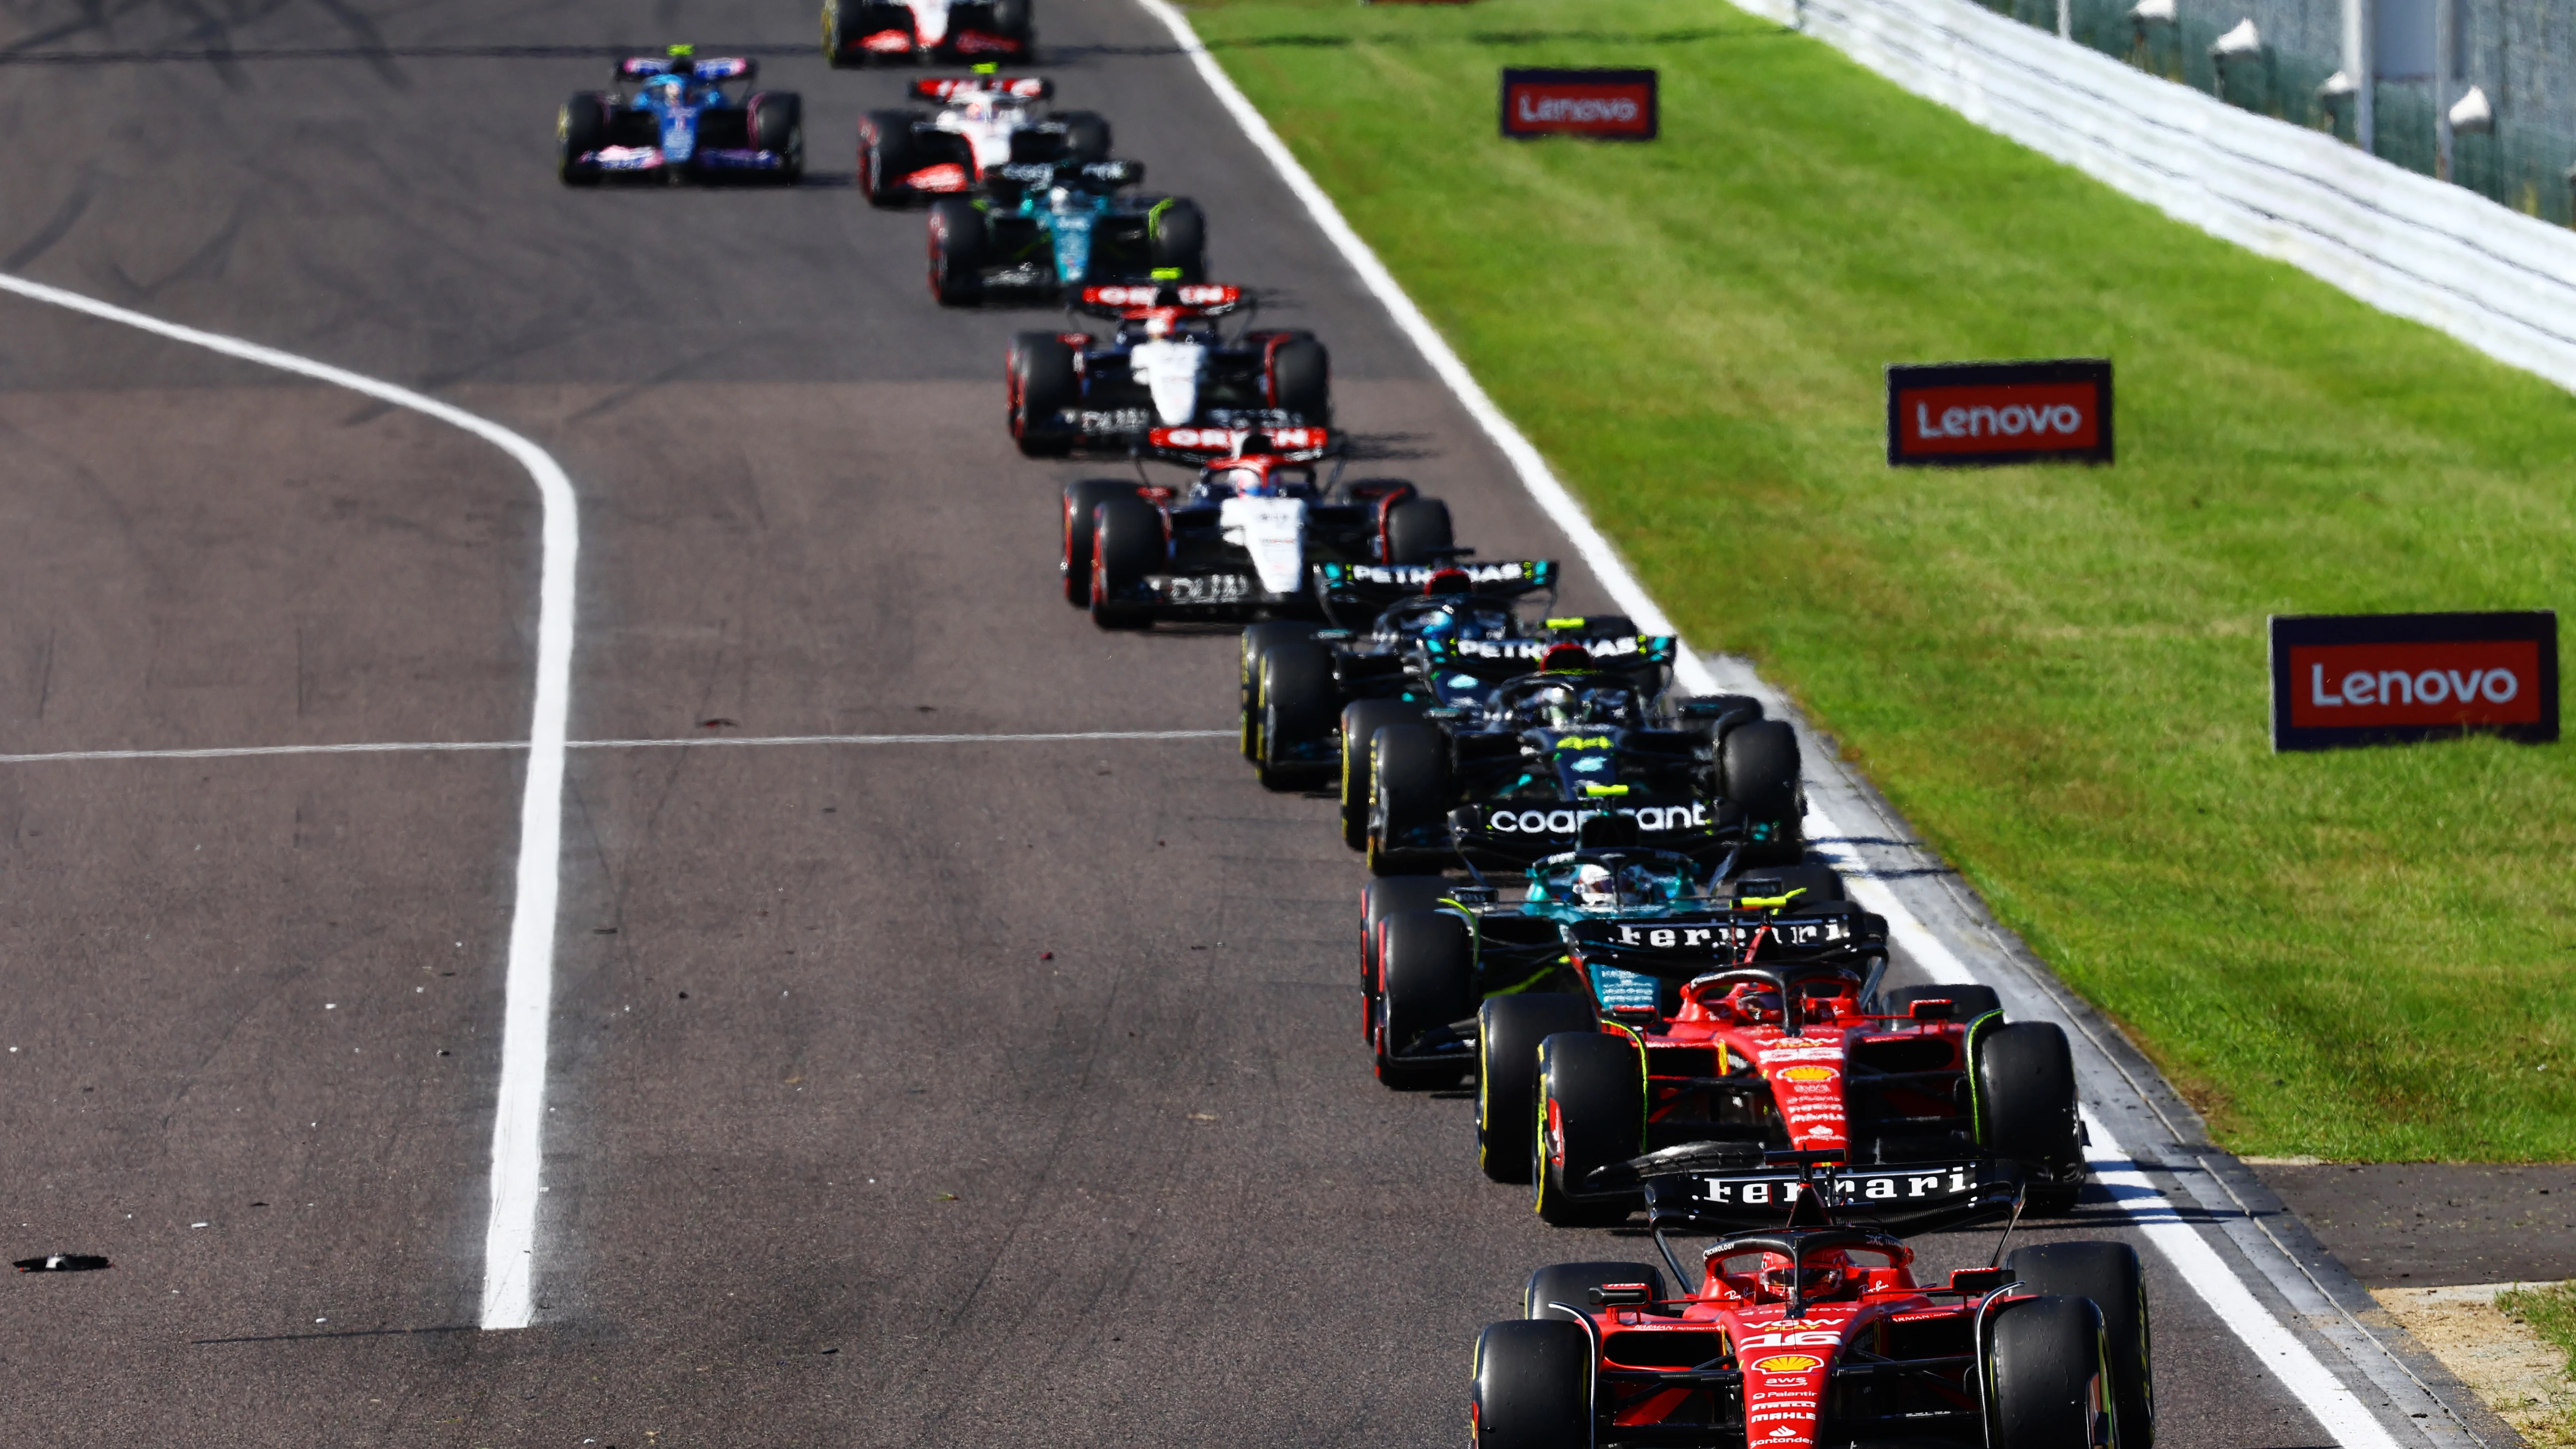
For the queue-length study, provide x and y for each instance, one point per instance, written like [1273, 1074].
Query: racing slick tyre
[1361, 720]
[2022, 1080]
[1176, 238]
[1300, 378]
[777, 125]
[1533, 1385]
[1967, 1003]
[1042, 384]
[1418, 532]
[1296, 714]
[841, 35]
[2106, 1273]
[2044, 1363]
[1086, 135]
[581, 128]
[1382, 900]
[1409, 798]
[1590, 1112]
[957, 247]
[1258, 640]
[1572, 1284]
[1126, 545]
[1427, 982]
[1508, 1032]
[1758, 770]
[1079, 499]
[1017, 19]
[887, 154]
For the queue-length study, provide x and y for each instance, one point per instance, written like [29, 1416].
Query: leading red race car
[1814, 1334]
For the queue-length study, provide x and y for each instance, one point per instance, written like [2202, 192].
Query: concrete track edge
[2383, 1387]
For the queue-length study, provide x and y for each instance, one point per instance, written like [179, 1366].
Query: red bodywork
[1710, 1062]
[1738, 1320]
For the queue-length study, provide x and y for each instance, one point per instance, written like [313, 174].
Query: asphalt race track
[921, 1094]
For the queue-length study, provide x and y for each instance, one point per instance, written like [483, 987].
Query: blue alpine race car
[670, 118]
[1047, 226]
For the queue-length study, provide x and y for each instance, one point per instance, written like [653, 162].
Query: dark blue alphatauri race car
[671, 119]
[1040, 227]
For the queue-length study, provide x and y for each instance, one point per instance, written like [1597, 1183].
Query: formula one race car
[670, 119]
[1616, 1009]
[858, 31]
[1296, 678]
[1043, 226]
[1810, 1333]
[1508, 776]
[1253, 536]
[984, 121]
[1164, 365]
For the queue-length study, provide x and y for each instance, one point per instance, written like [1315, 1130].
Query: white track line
[235, 752]
[510, 1235]
[2324, 1394]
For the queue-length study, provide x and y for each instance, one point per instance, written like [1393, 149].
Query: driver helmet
[1595, 885]
[1565, 659]
[1555, 708]
[1826, 1273]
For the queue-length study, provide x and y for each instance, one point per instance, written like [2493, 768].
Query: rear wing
[715, 68]
[1100, 175]
[1731, 1186]
[1378, 585]
[1684, 948]
[1206, 445]
[1516, 836]
[1642, 658]
[948, 87]
[1136, 300]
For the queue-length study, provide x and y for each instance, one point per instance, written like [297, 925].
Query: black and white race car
[1253, 536]
[858, 31]
[984, 122]
[1164, 364]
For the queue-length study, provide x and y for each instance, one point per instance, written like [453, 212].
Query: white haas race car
[984, 122]
[1251, 537]
[858, 31]
[1164, 366]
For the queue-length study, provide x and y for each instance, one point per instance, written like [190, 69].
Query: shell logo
[1789, 1363]
[1806, 1074]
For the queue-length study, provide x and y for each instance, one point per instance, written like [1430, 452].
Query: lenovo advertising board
[1607, 105]
[2375, 679]
[1969, 413]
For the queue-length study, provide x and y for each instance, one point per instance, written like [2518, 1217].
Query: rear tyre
[2023, 1076]
[887, 154]
[1508, 1032]
[1079, 499]
[1591, 1112]
[1017, 20]
[1258, 639]
[2107, 1274]
[581, 128]
[1296, 714]
[1967, 1003]
[1758, 770]
[777, 125]
[1533, 1385]
[1361, 720]
[1409, 799]
[1126, 545]
[840, 44]
[956, 251]
[2044, 1360]
[1572, 1285]
[1042, 384]
[1418, 532]
[1427, 980]
[1176, 238]
[1301, 379]
[1086, 136]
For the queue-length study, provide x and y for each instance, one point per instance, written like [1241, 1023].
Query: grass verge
[2056, 672]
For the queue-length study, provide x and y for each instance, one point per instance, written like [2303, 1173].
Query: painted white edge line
[234, 752]
[510, 1233]
[2326, 1396]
